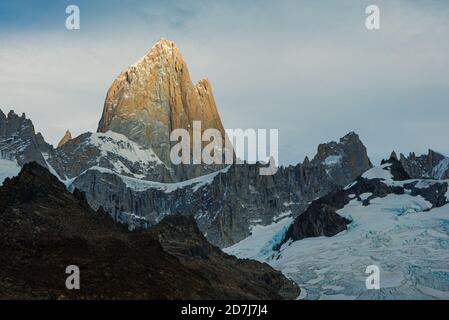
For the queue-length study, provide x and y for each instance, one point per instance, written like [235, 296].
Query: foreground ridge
[44, 228]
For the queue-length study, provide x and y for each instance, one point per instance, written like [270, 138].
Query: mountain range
[123, 173]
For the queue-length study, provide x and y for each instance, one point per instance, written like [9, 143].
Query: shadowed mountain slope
[44, 228]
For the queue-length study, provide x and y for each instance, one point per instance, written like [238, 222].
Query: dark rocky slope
[44, 228]
[180, 236]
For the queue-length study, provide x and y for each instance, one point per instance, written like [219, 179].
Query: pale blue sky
[309, 68]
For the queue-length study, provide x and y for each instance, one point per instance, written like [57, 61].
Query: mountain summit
[67, 137]
[155, 96]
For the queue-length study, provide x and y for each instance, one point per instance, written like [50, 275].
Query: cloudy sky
[309, 68]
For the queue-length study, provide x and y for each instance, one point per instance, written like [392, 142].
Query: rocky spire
[344, 160]
[2, 116]
[67, 137]
[18, 139]
[306, 161]
[394, 155]
[155, 96]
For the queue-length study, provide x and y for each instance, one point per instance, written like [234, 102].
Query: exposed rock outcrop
[18, 138]
[432, 165]
[67, 137]
[345, 160]
[318, 220]
[396, 168]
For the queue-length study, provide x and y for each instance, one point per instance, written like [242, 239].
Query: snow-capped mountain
[110, 150]
[226, 202]
[135, 187]
[123, 168]
[155, 96]
[393, 216]
[386, 219]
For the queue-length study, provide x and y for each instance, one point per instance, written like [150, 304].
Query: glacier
[401, 234]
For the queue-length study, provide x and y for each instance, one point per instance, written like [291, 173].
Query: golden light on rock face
[155, 96]
[67, 137]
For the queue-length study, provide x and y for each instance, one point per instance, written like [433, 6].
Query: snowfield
[410, 246]
[379, 173]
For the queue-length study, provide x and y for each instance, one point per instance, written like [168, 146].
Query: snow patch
[119, 144]
[379, 173]
[8, 169]
[440, 169]
[407, 204]
[349, 186]
[365, 195]
[332, 160]
[143, 185]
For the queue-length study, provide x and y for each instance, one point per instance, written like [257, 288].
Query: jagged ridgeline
[124, 167]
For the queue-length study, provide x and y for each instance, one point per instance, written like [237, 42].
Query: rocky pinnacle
[155, 96]
[67, 137]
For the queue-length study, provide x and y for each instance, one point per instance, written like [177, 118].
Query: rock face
[67, 137]
[44, 228]
[433, 165]
[19, 140]
[318, 220]
[345, 160]
[154, 97]
[227, 203]
[396, 168]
